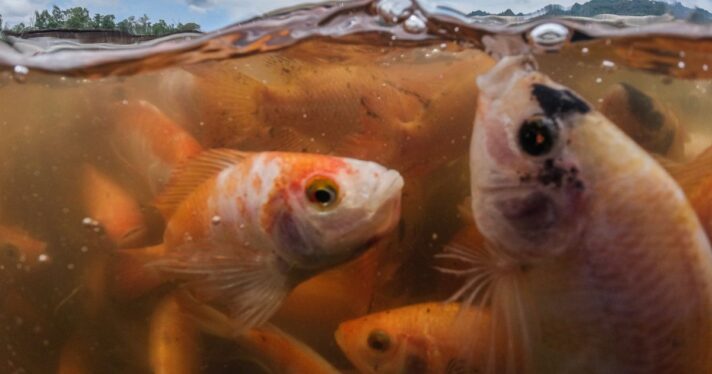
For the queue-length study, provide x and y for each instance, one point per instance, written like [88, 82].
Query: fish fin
[207, 318]
[492, 280]
[689, 174]
[192, 174]
[465, 210]
[248, 284]
[131, 278]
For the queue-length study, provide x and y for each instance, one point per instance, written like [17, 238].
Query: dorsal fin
[187, 177]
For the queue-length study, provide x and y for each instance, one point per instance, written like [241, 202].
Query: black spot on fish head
[557, 103]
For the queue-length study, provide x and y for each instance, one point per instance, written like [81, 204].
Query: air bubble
[43, 258]
[394, 11]
[608, 64]
[20, 72]
[215, 220]
[705, 67]
[599, 80]
[415, 24]
[584, 50]
[549, 36]
[681, 64]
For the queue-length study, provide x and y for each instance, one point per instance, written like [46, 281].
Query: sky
[213, 14]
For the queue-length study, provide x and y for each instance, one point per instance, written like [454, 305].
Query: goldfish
[174, 339]
[650, 123]
[73, 358]
[420, 338]
[695, 178]
[243, 229]
[114, 208]
[20, 250]
[594, 260]
[150, 143]
[294, 102]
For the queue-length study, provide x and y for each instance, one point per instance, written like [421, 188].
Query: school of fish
[280, 229]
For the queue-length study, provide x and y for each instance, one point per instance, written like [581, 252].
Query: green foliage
[619, 7]
[79, 18]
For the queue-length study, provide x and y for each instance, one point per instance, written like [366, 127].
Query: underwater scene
[360, 187]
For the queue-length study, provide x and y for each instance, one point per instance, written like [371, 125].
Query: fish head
[334, 209]
[376, 344]
[528, 186]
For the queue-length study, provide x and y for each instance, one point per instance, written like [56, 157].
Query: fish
[118, 213]
[594, 261]
[150, 143]
[267, 346]
[243, 229]
[695, 178]
[74, 356]
[292, 102]
[21, 250]
[646, 120]
[419, 338]
[173, 339]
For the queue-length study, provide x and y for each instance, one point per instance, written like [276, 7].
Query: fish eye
[322, 191]
[378, 340]
[538, 135]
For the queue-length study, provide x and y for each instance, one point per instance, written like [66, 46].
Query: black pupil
[378, 340]
[537, 136]
[323, 195]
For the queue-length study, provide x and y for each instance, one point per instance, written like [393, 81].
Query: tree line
[79, 18]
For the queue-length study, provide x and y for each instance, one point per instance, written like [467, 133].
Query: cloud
[16, 11]
[241, 9]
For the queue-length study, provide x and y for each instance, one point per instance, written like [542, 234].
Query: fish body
[20, 250]
[174, 339]
[150, 143]
[248, 227]
[108, 203]
[392, 114]
[420, 338]
[597, 263]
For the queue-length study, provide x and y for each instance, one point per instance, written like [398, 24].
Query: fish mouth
[391, 186]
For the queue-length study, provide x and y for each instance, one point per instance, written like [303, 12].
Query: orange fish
[174, 340]
[652, 125]
[112, 207]
[695, 178]
[150, 143]
[421, 338]
[74, 356]
[267, 346]
[595, 261]
[294, 102]
[20, 250]
[245, 228]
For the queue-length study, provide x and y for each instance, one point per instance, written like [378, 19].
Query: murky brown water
[259, 87]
